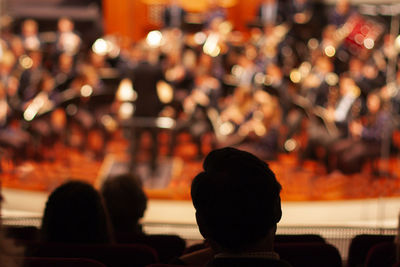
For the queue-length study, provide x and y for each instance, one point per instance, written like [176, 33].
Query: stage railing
[339, 236]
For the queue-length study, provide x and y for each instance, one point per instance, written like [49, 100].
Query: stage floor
[367, 213]
[306, 182]
[310, 196]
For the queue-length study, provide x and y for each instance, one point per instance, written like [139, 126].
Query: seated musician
[270, 12]
[262, 130]
[64, 72]
[30, 35]
[333, 123]
[299, 11]
[198, 104]
[30, 77]
[67, 40]
[255, 120]
[214, 13]
[277, 84]
[39, 112]
[348, 155]
[340, 13]
[173, 15]
[12, 136]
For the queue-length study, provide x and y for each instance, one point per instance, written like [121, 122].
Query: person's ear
[274, 228]
[202, 225]
[278, 211]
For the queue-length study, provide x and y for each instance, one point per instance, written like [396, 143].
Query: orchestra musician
[31, 76]
[214, 12]
[302, 23]
[371, 79]
[315, 86]
[203, 98]
[64, 72]
[180, 75]
[199, 86]
[46, 123]
[238, 109]
[271, 44]
[276, 84]
[271, 12]
[10, 71]
[33, 115]
[340, 13]
[310, 91]
[394, 97]
[18, 50]
[5, 109]
[13, 137]
[248, 68]
[299, 11]
[250, 120]
[366, 137]
[174, 15]
[329, 124]
[67, 40]
[261, 131]
[30, 35]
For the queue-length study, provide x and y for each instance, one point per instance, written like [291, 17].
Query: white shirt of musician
[69, 42]
[269, 12]
[344, 107]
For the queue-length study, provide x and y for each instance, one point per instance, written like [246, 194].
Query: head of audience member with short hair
[237, 202]
[75, 213]
[125, 201]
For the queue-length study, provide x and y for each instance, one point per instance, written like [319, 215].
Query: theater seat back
[361, 244]
[112, 255]
[167, 247]
[60, 262]
[303, 238]
[381, 255]
[309, 254]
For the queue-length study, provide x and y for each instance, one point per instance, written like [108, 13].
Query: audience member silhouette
[238, 206]
[10, 255]
[75, 213]
[126, 203]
